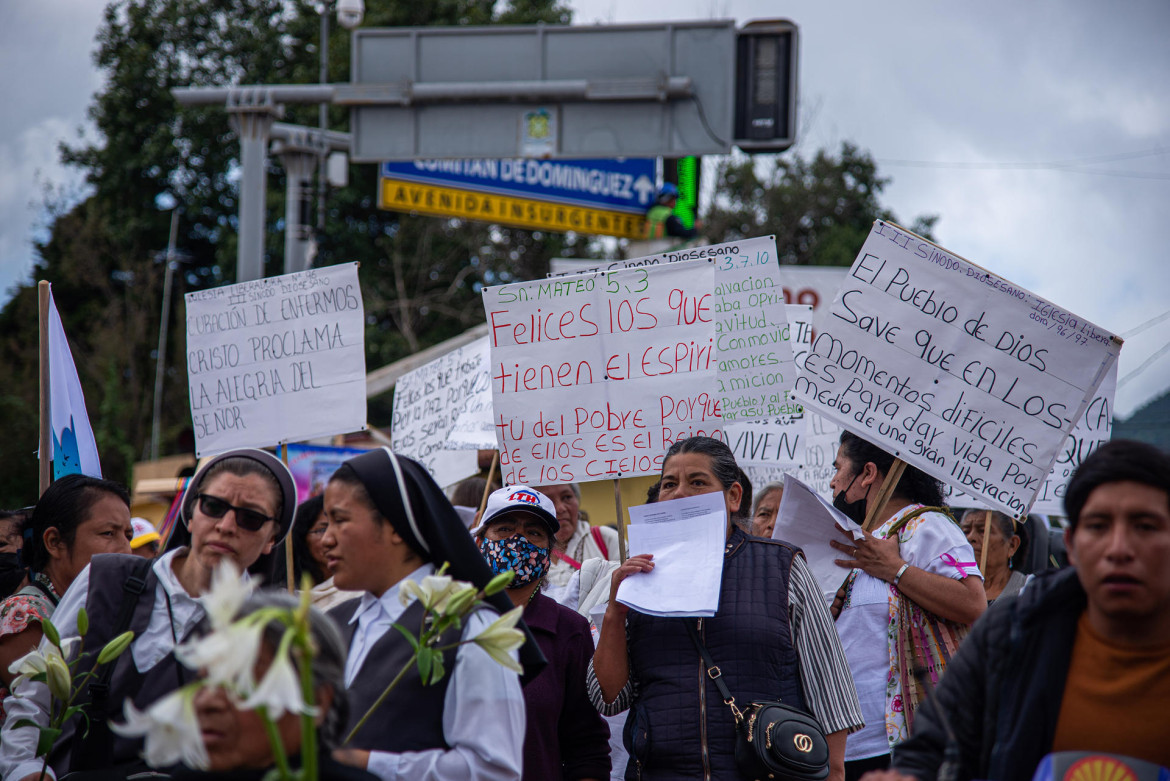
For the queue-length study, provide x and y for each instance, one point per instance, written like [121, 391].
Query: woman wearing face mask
[236, 508]
[76, 518]
[913, 586]
[565, 736]
[389, 522]
[772, 638]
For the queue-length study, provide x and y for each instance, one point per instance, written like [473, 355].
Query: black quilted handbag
[772, 740]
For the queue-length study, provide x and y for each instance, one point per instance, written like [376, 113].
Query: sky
[1039, 133]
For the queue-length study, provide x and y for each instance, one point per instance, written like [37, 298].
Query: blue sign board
[619, 185]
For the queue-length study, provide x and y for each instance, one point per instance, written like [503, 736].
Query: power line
[1145, 325]
[1145, 364]
[1071, 166]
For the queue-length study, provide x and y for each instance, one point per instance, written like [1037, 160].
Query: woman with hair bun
[76, 518]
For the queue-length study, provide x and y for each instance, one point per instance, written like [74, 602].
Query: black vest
[411, 718]
[679, 726]
[108, 574]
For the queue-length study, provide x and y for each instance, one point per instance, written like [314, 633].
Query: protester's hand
[872, 555]
[838, 602]
[643, 562]
[354, 757]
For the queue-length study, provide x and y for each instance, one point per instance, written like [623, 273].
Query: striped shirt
[825, 679]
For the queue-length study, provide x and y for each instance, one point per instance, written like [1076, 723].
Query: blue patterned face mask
[529, 562]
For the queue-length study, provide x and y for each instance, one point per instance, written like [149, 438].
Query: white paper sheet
[688, 566]
[807, 520]
[679, 509]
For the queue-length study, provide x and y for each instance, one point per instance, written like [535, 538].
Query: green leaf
[47, 739]
[82, 622]
[115, 647]
[437, 669]
[406, 633]
[426, 659]
[51, 632]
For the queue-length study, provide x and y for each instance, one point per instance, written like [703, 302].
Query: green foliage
[820, 210]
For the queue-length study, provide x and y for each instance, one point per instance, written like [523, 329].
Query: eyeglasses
[249, 520]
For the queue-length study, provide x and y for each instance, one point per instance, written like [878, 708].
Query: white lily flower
[434, 591]
[171, 730]
[501, 637]
[226, 595]
[279, 690]
[228, 654]
[38, 661]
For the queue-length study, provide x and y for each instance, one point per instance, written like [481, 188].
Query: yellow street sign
[398, 195]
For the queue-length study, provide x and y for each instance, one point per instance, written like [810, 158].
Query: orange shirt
[1116, 699]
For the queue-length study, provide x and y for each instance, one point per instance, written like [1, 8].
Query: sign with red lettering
[953, 369]
[276, 360]
[594, 376]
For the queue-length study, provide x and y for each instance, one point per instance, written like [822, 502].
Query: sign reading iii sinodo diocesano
[274, 360]
[953, 369]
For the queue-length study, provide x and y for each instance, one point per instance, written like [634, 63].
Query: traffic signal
[765, 85]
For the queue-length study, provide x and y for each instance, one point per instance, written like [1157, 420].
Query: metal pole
[161, 354]
[252, 113]
[298, 154]
[323, 120]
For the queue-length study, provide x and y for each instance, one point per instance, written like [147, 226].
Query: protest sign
[474, 428]
[753, 338]
[313, 465]
[813, 464]
[277, 360]
[953, 369]
[595, 376]
[427, 402]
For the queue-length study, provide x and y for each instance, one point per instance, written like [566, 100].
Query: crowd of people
[925, 665]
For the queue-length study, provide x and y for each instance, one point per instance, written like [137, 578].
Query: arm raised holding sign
[924, 555]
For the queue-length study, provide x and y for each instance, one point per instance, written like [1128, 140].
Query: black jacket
[1000, 697]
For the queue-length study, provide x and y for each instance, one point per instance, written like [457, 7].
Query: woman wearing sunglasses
[236, 508]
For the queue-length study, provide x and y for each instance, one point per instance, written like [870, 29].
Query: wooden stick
[985, 546]
[289, 572]
[621, 521]
[884, 493]
[46, 443]
[487, 487]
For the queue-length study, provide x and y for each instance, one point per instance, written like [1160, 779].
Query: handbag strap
[600, 541]
[714, 673]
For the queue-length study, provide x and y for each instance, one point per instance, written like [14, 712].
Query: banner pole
[46, 444]
[487, 487]
[621, 521]
[983, 552]
[289, 570]
[884, 493]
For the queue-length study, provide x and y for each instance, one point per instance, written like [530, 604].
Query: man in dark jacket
[1081, 660]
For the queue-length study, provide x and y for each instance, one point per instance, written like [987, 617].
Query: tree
[103, 254]
[820, 210]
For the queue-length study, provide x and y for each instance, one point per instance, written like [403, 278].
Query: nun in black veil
[389, 522]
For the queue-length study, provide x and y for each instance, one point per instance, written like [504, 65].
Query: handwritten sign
[954, 369]
[474, 428]
[752, 335]
[275, 360]
[594, 376]
[427, 402]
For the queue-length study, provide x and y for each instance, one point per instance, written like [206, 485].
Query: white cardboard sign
[474, 428]
[752, 335]
[276, 360]
[954, 369]
[427, 402]
[594, 376]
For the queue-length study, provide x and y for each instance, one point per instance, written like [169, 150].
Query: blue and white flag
[74, 448]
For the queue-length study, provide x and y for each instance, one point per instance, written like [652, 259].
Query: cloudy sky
[1039, 132]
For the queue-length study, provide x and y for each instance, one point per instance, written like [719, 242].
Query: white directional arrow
[644, 187]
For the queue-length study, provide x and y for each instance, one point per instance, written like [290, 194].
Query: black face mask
[12, 572]
[854, 511]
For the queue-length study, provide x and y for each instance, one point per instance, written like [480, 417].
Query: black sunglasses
[250, 520]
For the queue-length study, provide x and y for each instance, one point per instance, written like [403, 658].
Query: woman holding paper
[771, 636]
[910, 584]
